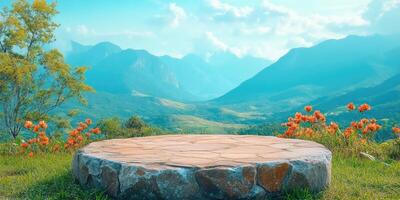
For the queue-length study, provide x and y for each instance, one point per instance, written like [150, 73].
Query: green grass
[49, 176]
[46, 176]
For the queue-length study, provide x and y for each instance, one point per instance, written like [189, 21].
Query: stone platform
[202, 166]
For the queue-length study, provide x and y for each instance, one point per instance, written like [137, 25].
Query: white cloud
[228, 9]
[220, 45]
[216, 42]
[178, 13]
[82, 30]
[389, 5]
[383, 15]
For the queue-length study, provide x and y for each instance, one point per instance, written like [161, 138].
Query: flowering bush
[76, 137]
[314, 125]
[42, 143]
[357, 136]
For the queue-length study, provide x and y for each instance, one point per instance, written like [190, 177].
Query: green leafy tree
[135, 123]
[33, 80]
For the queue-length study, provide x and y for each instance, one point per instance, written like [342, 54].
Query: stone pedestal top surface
[202, 166]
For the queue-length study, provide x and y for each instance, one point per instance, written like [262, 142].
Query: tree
[135, 123]
[33, 80]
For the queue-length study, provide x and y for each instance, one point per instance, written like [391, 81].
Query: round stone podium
[202, 166]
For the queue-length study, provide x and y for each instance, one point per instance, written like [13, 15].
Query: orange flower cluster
[364, 107]
[314, 124]
[76, 138]
[293, 125]
[365, 127]
[41, 140]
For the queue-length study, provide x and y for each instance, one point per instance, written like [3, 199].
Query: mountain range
[137, 72]
[329, 68]
[226, 92]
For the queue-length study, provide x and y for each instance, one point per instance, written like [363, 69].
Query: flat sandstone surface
[208, 165]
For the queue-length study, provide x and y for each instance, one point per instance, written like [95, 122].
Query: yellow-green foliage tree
[33, 79]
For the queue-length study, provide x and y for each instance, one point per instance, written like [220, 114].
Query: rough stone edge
[88, 171]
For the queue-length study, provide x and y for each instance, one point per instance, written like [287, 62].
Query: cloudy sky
[263, 28]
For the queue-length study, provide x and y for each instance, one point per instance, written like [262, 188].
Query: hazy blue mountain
[331, 67]
[384, 97]
[138, 72]
[90, 55]
[191, 78]
[236, 69]
[212, 77]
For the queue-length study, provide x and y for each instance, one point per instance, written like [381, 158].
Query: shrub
[42, 143]
[133, 127]
[357, 137]
[135, 123]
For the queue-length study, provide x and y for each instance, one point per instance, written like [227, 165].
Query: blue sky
[263, 28]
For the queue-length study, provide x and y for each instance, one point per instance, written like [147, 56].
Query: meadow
[44, 171]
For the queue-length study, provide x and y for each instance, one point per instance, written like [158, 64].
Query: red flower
[351, 106]
[364, 107]
[24, 145]
[308, 108]
[30, 154]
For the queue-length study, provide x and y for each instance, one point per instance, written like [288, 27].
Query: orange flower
[351, 106]
[319, 116]
[354, 124]
[71, 141]
[28, 124]
[363, 141]
[42, 134]
[298, 115]
[87, 135]
[30, 154]
[396, 130]
[365, 131]
[347, 133]
[88, 121]
[36, 129]
[364, 120]
[373, 127]
[79, 129]
[31, 141]
[312, 119]
[74, 133]
[79, 138]
[96, 131]
[308, 108]
[364, 107]
[24, 145]
[360, 125]
[43, 124]
[309, 132]
[333, 128]
[83, 125]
